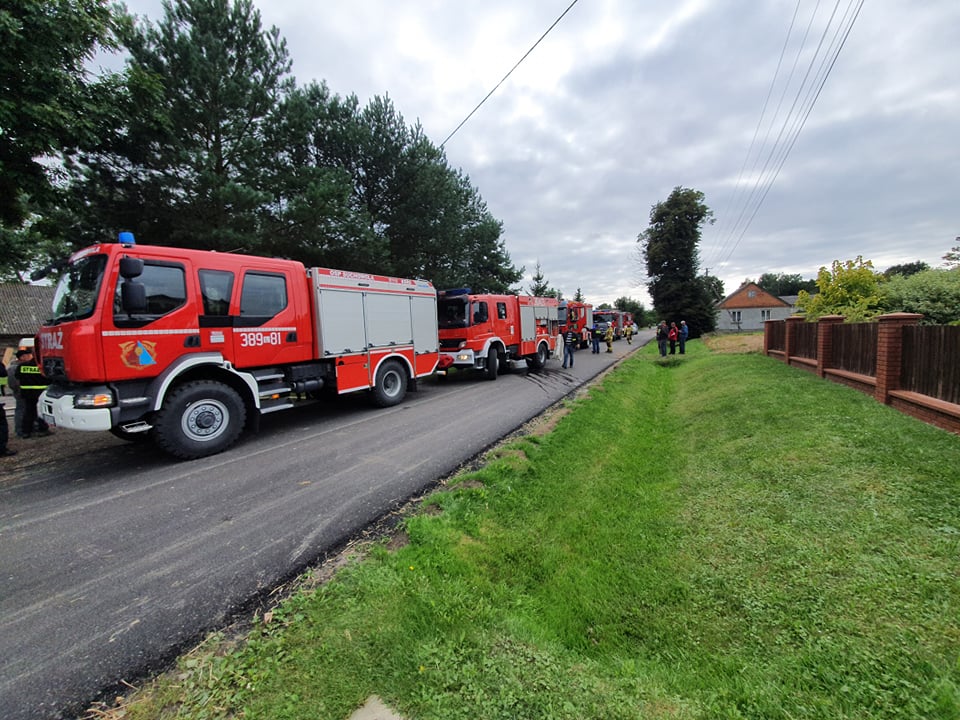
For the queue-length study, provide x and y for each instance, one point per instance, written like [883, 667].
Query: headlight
[94, 400]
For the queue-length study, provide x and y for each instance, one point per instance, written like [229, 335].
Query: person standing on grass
[662, 334]
[672, 335]
[684, 332]
[570, 338]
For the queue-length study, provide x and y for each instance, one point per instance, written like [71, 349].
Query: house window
[735, 316]
[765, 315]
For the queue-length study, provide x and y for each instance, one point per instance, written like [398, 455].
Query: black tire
[540, 359]
[199, 418]
[390, 386]
[493, 364]
[129, 436]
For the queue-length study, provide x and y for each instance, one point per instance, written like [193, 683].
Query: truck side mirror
[133, 296]
[130, 267]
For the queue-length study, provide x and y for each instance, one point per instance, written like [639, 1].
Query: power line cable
[794, 123]
[721, 229]
[487, 96]
[802, 124]
[730, 232]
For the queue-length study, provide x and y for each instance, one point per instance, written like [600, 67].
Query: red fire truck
[577, 314]
[189, 347]
[603, 318]
[483, 332]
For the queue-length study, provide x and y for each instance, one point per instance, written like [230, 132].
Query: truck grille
[451, 344]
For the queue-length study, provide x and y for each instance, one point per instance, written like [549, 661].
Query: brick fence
[884, 385]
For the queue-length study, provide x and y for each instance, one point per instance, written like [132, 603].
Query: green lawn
[709, 536]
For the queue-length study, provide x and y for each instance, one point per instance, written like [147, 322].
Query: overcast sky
[624, 100]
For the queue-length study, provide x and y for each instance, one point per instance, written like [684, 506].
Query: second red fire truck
[484, 332]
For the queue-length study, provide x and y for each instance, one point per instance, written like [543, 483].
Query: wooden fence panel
[806, 340]
[930, 361]
[776, 334]
[855, 348]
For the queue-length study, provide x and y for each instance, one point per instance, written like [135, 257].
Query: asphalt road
[116, 558]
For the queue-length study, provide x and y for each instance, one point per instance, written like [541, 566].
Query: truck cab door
[141, 339]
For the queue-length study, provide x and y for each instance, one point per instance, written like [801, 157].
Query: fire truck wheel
[540, 359]
[199, 418]
[391, 384]
[493, 364]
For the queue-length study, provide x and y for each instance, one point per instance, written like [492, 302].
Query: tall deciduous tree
[48, 105]
[672, 261]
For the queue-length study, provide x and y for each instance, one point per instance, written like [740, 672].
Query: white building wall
[750, 318]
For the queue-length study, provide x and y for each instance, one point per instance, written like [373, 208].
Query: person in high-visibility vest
[31, 383]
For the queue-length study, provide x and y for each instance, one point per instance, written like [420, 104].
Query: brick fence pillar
[825, 342]
[790, 344]
[890, 350]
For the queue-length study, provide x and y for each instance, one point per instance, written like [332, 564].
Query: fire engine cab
[484, 332]
[576, 315]
[189, 347]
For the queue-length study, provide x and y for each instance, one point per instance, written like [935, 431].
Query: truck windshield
[452, 313]
[76, 295]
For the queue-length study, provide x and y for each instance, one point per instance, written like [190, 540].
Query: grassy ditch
[716, 535]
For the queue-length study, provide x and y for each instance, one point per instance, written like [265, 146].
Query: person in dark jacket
[662, 334]
[596, 336]
[30, 382]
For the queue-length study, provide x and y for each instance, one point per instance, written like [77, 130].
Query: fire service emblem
[138, 354]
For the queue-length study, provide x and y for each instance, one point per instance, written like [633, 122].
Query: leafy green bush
[933, 293]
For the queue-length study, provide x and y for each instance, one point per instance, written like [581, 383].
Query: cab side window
[263, 295]
[501, 311]
[216, 288]
[166, 290]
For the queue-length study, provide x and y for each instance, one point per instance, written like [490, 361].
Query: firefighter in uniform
[31, 383]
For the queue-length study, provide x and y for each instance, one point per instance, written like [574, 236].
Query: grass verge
[716, 535]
